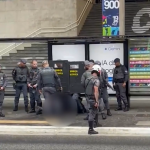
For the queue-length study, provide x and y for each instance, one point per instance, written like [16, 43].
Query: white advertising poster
[106, 53]
[69, 52]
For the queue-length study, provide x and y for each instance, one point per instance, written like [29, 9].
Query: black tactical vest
[34, 75]
[1, 79]
[48, 79]
[119, 72]
[21, 74]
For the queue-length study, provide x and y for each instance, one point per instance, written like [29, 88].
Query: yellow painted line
[22, 122]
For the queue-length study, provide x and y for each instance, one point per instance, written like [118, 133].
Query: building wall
[19, 18]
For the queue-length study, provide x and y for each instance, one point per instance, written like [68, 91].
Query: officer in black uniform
[47, 81]
[20, 75]
[92, 91]
[3, 84]
[32, 84]
[120, 78]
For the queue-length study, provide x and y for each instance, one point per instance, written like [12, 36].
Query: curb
[46, 130]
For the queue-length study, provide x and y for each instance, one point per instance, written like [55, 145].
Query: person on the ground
[3, 84]
[104, 84]
[120, 78]
[85, 75]
[92, 92]
[47, 79]
[33, 86]
[20, 75]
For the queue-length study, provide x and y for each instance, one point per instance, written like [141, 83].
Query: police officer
[104, 85]
[92, 92]
[120, 78]
[3, 84]
[92, 61]
[20, 75]
[47, 79]
[85, 75]
[88, 67]
[32, 84]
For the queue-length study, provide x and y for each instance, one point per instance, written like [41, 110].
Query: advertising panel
[139, 67]
[106, 53]
[110, 17]
[68, 52]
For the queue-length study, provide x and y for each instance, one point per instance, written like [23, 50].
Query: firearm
[33, 88]
[114, 86]
[108, 85]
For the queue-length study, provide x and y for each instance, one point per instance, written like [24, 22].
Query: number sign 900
[111, 4]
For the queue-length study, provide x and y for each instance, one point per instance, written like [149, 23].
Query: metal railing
[50, 30]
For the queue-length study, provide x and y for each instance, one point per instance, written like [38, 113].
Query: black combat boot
[32, 110]
[40, 104]
[91, 130]
[39, 111]
[1, 114]
[103, 116]
[118, 108]
[109, 113]
[26, 108]
[96, 123]
[15, 108]
[126, 108]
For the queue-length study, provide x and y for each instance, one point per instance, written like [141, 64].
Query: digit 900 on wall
[111, 4]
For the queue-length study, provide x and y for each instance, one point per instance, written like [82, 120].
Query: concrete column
[122, 17]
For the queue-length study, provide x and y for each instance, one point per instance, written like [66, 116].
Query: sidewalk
[136, 122]
[138, 116]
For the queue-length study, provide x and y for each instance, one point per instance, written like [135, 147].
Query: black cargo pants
[93, 111]
[34, 97]
[121, 94]
[105, 96]
[21, 87]
[1, 99]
